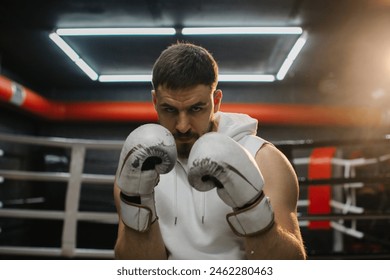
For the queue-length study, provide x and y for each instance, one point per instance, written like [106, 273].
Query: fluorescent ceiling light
[221, 78]
[291, 57]
[87, 69]
[73, 56]
[241, 30]
[56, 38]
[114, 31]
[245, 78]
[125, 78]
[64, 46]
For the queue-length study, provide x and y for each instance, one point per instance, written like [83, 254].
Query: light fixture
[57, 39]
[241, 30]
[221, 78]
[87, 69]
[246, 78]
[125, 78]
[73, 56]
[291, 57]
[115, 31]
[64, 46]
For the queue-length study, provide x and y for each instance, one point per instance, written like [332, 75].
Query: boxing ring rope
[75, 178]
[349, 182]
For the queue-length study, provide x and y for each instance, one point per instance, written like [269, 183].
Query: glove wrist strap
[138, 212]
[253, 220]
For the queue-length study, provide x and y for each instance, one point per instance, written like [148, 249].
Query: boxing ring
[74, 179]
[333, 176]
[336, 172]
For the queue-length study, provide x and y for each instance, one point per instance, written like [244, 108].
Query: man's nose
[183, 123]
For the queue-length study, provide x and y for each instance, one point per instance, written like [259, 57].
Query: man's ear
[217, 99]
[154, 98]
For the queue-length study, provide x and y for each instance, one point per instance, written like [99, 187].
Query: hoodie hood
[236, 125]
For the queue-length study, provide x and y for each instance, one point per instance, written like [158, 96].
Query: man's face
[187, 113]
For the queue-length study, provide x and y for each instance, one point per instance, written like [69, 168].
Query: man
[201, 184]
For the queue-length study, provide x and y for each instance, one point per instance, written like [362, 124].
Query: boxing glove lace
[148, 151]
[217, 161]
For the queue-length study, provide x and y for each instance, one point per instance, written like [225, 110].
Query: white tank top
[193, 224]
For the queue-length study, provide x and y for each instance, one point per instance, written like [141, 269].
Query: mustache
[186, 135]
[190, 134]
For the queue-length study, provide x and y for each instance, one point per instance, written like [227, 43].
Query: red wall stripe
[274, 114]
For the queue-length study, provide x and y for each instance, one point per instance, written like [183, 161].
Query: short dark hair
[184, 65]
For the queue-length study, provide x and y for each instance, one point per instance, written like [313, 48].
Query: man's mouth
[184, 139]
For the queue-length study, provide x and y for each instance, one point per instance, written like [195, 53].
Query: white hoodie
[193, 224]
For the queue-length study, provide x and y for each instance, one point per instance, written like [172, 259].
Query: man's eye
[169, 110]
[196, 109]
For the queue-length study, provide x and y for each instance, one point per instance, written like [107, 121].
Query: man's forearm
[275, 244]
[132, 244]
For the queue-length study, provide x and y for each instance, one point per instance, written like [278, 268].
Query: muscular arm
[283, 240]
[131, 244]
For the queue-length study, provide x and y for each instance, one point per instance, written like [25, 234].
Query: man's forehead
[182, 103]
[197, 89]
[188, 96]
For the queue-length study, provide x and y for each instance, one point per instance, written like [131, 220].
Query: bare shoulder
[270, 157]
[280, 179]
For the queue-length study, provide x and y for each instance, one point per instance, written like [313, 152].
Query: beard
[183, 149]
[185, 141]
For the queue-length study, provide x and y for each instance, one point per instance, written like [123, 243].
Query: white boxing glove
[217, 161]
[148, 151]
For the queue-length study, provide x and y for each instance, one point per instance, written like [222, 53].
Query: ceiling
[345, 60]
